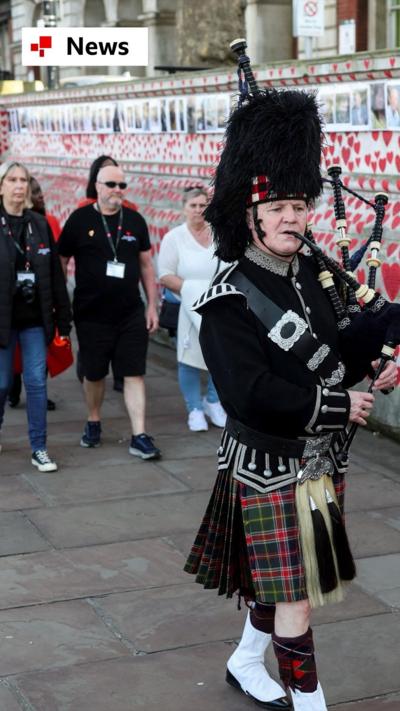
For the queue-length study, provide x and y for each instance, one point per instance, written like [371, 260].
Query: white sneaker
[215, 412]
[42, 461]
[197, 422]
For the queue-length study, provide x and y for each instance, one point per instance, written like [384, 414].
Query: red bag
[59, 356]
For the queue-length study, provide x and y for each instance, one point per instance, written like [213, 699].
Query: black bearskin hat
[276, 136]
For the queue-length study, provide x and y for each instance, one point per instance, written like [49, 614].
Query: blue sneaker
[143, 446]
[91, 435]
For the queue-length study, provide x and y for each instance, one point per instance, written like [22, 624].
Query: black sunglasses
[113, 184]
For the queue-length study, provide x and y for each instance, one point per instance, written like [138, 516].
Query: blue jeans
[34, 351]
[189, 383]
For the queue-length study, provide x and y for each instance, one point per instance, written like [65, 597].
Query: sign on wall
[308, 18]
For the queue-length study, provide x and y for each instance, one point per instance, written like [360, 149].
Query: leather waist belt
[279, 446]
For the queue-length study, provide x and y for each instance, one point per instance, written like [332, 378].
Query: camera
[27, 290]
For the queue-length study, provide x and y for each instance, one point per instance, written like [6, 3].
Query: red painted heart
[345, 154]
[391, 279]
[387, 137]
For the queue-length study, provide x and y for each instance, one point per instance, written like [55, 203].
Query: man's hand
[151, 319]
[360, 406]
[388, 378]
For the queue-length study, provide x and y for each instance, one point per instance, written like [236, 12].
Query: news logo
[44, 43]
[85, 46]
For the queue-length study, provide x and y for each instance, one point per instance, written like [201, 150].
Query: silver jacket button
[267, 472]
[319, 428]
[308, 310]
[298, 285]
[252, 467]
[324, 408]
[325, 392]
[281, 468]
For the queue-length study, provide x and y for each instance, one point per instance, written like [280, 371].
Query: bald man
[111, 247]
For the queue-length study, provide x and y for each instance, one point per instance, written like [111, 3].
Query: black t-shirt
[25, 314]
[98, 297]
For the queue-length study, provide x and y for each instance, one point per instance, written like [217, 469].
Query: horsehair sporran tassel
[323, 550]
[315, 490]
[345, 560]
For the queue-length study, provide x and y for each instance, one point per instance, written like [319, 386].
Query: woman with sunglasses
[186, 265]
[34, 302]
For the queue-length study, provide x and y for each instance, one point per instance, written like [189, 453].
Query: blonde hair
[5, 169]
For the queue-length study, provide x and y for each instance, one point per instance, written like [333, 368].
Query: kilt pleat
[249, 542]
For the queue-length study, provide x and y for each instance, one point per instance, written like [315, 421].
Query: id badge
[115, 269]
[26, 276]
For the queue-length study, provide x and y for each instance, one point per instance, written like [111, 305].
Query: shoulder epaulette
[215, 292]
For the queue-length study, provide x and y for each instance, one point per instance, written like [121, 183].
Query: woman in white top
[186, 266]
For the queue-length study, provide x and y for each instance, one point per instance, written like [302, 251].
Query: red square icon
[34, 47]
[45, 42]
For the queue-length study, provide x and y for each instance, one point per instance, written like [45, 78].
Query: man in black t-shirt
[111, 248]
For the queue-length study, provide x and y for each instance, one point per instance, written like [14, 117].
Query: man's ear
[250, 218]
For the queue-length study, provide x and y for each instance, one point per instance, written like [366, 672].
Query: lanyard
[108, 233]
[7, 230]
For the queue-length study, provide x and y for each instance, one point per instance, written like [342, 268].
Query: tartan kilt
[249, 542]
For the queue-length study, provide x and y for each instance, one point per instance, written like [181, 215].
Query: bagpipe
[364, 317]
[366, 323]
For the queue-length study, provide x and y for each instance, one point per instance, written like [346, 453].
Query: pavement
[96, 613]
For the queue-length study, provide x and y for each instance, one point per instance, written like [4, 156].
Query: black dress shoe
[282, 704]
[51, 405]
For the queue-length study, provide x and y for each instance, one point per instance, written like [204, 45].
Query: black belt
[278, 446]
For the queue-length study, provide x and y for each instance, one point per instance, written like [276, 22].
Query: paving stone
[391, 598]
[18, 535]
[53, 576]
[57, 635]
[91, 484]
[170, 617]
[358, 658]
[370, 534]
[7, 700]
[356, 604]
[199, 444]
[390, 703]
[368, 490]
[175, 681]
[159, 386]
[379, 574]
[127, 519]
[202, 478]
[377, 451]
[16, 494]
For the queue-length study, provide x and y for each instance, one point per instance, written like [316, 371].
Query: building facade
[189, 33]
